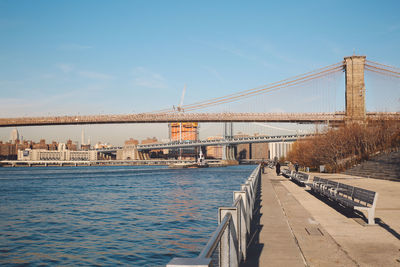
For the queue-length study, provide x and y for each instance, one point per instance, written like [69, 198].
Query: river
[110, 215]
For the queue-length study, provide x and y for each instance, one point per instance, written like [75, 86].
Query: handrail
[233, 231]
[215, 238]
[237, 200]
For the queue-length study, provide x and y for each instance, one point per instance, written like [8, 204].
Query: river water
[130, 215]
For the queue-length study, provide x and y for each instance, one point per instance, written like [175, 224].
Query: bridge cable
[383, 65]
[254, 91]
[265, 90]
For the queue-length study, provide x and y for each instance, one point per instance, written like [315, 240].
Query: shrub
[338, 148]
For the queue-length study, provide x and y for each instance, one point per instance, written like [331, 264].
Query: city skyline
[100, 57]
[94, 132]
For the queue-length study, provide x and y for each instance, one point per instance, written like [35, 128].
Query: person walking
[296, 167]
[262, 166]
[278, 168]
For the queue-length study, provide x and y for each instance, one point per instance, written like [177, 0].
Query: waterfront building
[41, 145]
[71, 145]
[7, 151]
[214, 151]
[243, 150]
[61, 154]
[180, 132]
[259, 150]
[129, 150]
[279, 149]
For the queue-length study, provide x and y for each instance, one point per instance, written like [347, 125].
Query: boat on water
[201, 163]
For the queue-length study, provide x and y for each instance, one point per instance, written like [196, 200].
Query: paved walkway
[297, 228]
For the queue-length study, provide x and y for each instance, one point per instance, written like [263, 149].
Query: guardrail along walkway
[228, 244]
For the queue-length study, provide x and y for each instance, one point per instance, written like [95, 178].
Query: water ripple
[107, 216]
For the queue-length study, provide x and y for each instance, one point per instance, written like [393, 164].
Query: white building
[62, 154]
[14, 135]
[279, 149]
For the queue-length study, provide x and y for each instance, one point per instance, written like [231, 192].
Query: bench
[286, 173]
[346, 195]
[300, 178]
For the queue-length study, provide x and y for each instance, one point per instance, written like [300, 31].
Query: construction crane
[179, 107]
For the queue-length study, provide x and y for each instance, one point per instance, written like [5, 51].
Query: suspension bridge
[354, 68]
[215, 142]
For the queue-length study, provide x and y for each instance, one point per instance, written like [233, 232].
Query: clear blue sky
[90, 57]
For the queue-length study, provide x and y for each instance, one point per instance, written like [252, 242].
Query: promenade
[297, 228]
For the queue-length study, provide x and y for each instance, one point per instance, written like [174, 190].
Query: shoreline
[16, 163]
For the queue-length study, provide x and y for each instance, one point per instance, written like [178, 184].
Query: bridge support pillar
[228, 153]
[355, 88]
[143, 155]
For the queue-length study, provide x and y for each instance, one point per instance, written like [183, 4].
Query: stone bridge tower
[355, 88]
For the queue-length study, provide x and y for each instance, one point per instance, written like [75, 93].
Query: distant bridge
[214, 142]
[225, 142]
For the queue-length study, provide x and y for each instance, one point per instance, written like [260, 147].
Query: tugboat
[201, 163]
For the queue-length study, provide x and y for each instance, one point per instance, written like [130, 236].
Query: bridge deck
[337, 117]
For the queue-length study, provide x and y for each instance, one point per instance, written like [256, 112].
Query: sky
[117, 57]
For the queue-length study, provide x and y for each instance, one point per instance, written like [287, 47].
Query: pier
[294, 227]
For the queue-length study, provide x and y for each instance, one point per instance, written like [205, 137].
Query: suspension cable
[267, 90]
[381, 72]
[383, 69]
[376, 63]
[267, 85]
[255, 91]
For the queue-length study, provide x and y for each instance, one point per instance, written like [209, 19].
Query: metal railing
[233, 231]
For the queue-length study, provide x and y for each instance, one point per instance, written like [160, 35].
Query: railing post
[226, 240]
[249, 208]
[224, 245]
[234, 247]
[251, 198]
[244, 228]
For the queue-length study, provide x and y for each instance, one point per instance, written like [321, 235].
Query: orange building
[183, 131]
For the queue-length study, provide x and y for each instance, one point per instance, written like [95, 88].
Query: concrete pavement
[297, 228]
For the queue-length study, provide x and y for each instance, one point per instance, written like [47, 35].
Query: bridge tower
[355, 88]
[228, 152]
